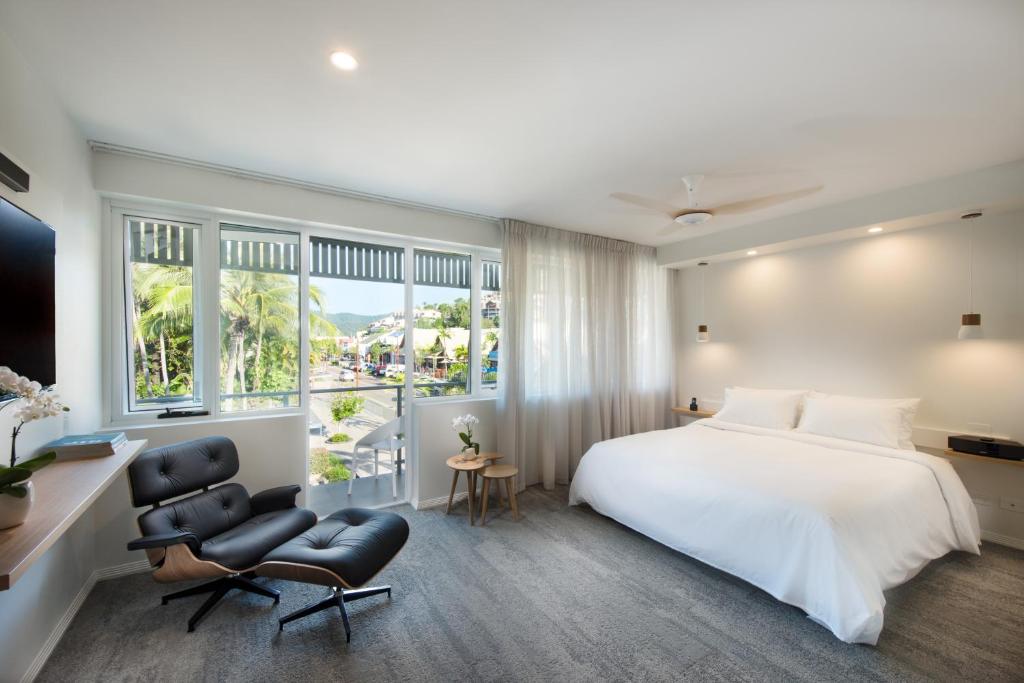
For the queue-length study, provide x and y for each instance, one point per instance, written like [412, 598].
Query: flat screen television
[27, 252]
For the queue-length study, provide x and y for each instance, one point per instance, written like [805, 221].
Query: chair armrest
[277, 498]
[165, 540]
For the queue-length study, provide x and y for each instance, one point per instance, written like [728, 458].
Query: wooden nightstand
[683, 410]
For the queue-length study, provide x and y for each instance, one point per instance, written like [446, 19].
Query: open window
[161, 296]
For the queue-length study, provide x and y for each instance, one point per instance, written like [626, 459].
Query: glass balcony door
[357, 296]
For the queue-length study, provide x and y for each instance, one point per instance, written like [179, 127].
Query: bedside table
[957, 455]
[696, 414]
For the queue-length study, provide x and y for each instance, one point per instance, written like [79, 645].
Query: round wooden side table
[499, 472]
[458, 463]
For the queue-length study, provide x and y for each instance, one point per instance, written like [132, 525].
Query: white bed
[821, 523]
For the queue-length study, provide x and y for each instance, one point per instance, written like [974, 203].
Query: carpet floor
[563, 594]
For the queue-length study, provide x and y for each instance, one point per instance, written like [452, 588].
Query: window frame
[302, 291]
[206, 302]
[119, 368]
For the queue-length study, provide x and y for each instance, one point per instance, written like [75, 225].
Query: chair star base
[338, 598]
[219, 588]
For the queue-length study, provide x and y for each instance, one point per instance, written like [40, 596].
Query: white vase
[13, 511]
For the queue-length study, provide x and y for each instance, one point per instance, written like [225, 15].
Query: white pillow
[771, 408]
[880, 421]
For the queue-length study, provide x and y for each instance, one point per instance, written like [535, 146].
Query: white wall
[877, 317]
[37, 135]
[432, 425]
[134, 177]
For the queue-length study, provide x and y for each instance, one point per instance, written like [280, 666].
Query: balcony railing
[400, 388]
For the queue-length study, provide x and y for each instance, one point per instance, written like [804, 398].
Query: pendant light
[970, 323]
[702, 329]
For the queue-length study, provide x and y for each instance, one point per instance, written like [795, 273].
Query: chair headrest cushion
[170, 471]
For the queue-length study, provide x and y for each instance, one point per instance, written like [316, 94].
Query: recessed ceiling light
[752, 252]
[344, 61]
[875, 230]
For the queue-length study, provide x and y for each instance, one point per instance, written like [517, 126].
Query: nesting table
[458, 463]
[497, 473]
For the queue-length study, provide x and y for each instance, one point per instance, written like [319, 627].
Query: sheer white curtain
[585, 347]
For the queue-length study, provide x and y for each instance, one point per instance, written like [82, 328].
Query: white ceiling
[539, 110]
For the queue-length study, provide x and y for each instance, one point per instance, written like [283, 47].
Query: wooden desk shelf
[63, 491]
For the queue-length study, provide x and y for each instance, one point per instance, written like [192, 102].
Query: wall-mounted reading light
[702, 329]
[970, 323]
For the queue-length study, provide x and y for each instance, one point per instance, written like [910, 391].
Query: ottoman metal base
[338, 598]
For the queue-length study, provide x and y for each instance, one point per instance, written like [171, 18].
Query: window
[229, 317]
[259, 318]
[490, 323]
[160, 297]
[443, 322]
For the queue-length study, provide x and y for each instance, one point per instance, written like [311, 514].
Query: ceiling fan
[696, 214]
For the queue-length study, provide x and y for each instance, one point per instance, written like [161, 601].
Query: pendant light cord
[703, 303]
[970, 271]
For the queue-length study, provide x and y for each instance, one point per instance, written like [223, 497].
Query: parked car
[394, 369]
[347, 375]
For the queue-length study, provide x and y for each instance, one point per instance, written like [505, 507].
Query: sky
[371, 298]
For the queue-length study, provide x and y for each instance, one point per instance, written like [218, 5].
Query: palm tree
[162, 309]
[257, 306]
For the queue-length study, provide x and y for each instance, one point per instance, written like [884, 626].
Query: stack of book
[86, 445]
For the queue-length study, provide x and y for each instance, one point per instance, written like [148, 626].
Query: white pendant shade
[970, 327]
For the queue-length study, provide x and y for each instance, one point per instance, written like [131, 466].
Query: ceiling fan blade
[764, 202]
[647, 203]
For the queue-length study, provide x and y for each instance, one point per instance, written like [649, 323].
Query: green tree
[162, 313]
[257, 308]
[345, 406]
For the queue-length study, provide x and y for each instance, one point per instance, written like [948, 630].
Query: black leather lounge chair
[216, 532]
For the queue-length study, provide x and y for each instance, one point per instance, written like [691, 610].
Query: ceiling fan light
[693, 218]
[702, 333]
[970, 327]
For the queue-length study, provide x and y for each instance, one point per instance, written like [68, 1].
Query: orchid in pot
[33, 403]
[464, 426]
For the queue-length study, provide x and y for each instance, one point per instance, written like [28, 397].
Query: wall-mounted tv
[27, 252]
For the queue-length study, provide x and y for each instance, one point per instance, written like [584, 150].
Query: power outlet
[1012, 504]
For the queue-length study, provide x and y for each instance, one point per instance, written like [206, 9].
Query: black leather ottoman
[343, 551]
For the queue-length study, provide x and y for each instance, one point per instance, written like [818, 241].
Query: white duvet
[824, 524]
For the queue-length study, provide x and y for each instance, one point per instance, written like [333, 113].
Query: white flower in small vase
[464, 426]
[33, 403]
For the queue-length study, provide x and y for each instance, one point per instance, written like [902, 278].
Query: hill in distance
[350, 323]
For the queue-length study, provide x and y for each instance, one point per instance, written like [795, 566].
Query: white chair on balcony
[383, 438]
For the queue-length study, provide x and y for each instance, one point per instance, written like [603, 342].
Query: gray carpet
[563, 594]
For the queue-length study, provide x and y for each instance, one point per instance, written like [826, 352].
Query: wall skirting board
[76, 604]
[1002, 539]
